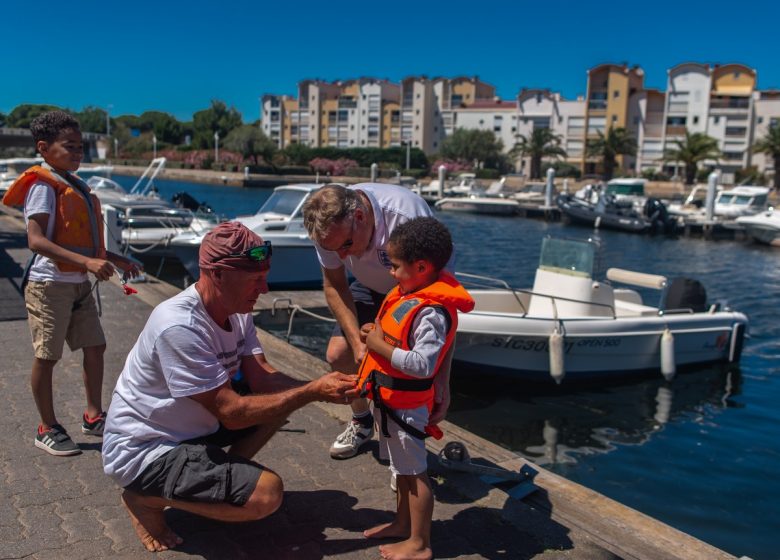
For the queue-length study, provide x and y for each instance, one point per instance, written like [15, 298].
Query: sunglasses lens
[260, 253]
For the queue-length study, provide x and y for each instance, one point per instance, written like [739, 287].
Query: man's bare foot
[406, 550]
[149, 524]
[387, 531]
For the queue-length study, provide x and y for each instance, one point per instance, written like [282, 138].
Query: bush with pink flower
[332, 167]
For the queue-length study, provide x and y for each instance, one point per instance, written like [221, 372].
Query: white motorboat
[741, 201]
[142, 192]
[572, 325]
[149, 226]
[11, 168]
[744, 200]
[626, 189]
[491, 201]
[532, 193]
[280, 221]
[763, 227]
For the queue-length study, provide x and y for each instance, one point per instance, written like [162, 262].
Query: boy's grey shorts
[367, 304]
[199, 470]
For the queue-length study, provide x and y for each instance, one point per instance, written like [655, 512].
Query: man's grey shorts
[199, 470]
[367, 304]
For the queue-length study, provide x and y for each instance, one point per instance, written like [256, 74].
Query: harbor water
[700, 452]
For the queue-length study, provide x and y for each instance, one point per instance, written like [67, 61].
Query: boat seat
[630, 309]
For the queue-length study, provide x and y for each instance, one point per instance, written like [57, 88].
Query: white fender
[597, 223]
[668, 367]
[557, 370]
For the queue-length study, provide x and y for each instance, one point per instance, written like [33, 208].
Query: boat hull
[499, 207]
[294, 265]
[594, 348]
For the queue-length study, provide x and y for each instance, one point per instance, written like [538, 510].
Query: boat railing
[489, 282]
[149, 175]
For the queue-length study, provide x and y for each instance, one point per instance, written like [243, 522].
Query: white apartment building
[767, 114]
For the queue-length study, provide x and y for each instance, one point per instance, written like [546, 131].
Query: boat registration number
[537, 345]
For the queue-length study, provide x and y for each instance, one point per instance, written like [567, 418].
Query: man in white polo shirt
[350, 227]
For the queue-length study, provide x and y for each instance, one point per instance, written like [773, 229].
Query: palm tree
[618, 141]
[770, 145]
[540, 144]
[696, 147]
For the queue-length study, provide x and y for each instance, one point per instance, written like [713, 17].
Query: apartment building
[767, 114]
[613, 97]
[348, 114]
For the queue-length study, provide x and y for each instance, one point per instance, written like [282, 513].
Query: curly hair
[327, 206]
[423, 239]
[47, 126]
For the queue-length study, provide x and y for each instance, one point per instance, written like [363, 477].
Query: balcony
[675, 130]
[730, 103]
[597, 105]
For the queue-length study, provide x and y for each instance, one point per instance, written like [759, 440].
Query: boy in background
[65, 234]
[406, 346]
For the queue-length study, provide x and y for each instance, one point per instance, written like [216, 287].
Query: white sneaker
[350, 440]
[393, 482]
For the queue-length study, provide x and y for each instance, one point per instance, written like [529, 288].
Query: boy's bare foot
[387, 531]
[149, 524]
[406, 550]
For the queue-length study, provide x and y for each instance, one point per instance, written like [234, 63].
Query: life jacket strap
[379, 379]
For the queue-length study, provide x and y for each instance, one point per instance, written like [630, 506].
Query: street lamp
[408, 150]
[108, 119]
[154, 145]
[216, 146]
[116, 148]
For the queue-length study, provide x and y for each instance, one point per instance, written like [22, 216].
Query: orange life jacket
[78, 224]
[389, 387]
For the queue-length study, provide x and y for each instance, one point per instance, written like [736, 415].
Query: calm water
[700, 453]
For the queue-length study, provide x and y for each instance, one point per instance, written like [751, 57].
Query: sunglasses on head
[259, 253]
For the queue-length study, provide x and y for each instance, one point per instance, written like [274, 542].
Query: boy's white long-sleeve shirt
[429, 333]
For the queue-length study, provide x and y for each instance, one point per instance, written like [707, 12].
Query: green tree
[618, 141]
[480, 146]
[163, 125]
[541, 143]
[217, 118]
[2, 119]
[298, 154]
[770, 145]
[695, 147]
[22, 115]
[250, 142]
[92, 119]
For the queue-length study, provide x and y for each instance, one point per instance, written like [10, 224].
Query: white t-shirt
[41, 199]
[392, 205]
[181, 352]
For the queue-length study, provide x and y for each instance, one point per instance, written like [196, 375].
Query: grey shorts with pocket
[367, 304]
[199, 470]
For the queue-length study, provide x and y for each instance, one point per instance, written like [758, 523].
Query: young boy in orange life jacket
[406, 345]
[65, 233]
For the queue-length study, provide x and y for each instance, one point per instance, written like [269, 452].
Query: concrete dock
[65, 507]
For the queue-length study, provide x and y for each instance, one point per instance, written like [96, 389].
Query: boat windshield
[283, 202]
[567, 256]
[736, 199]
[631, 190]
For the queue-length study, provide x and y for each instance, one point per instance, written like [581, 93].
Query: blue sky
[177, 56]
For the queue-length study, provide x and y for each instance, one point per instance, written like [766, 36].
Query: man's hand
[439, 410]
[336, 387]
[102, 269]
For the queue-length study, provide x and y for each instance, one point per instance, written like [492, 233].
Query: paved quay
[65, 507]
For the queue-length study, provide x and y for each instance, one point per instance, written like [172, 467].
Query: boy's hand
[102, 269]
[364, 330]
[131, 270]
[375, 337]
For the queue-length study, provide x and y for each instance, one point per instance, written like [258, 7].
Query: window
[456, 100]
[696, 120]
[616, 93]
[538, 98]
[760, 120]
[497, 122]
[676, 121]
[716, 120]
